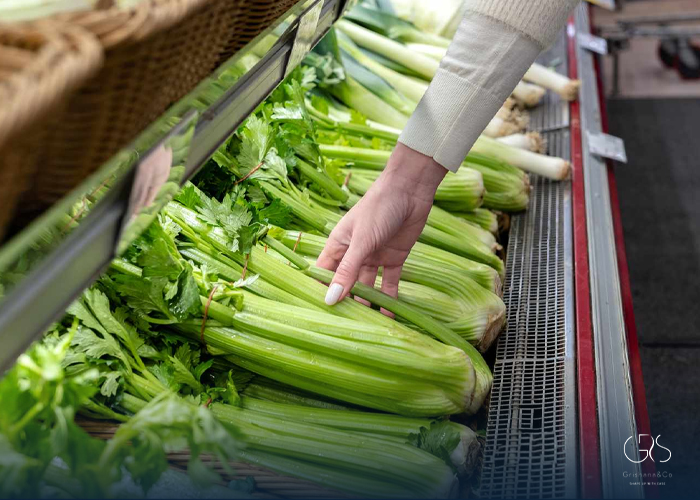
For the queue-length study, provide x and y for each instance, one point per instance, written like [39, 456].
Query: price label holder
[593, 43]
[607, 146]
[306, 29]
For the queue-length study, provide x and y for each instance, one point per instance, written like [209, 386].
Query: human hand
[383, 226]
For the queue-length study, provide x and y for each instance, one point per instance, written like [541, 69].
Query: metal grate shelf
[531, 437]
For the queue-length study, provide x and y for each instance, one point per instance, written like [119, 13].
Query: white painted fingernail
[333, 294]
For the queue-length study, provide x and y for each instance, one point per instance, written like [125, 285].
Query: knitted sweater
[495, 44]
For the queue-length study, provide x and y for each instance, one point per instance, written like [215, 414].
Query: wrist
[413, 171]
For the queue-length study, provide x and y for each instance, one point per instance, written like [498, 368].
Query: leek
[393, 27]
[528, 95]
[424, 66]
[410, 88]
[532, 141]
[550, 79]
[547, 166]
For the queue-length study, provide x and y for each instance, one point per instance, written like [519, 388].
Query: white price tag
[308, 22]
[607, 146]
[593, 43]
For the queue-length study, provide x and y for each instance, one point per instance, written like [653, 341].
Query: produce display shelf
[567, 389]
[45, 267]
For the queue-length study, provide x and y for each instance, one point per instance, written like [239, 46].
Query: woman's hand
[383, 226]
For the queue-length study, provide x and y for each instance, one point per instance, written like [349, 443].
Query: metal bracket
[593, 43]
[308, 22]
[607, 146]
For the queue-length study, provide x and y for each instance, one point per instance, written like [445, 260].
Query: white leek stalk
[528, 95]
[440, 17]
[411, 88]
[368, 39]
[550, 79]
[499, 127]
[532, 141]
[546, 166]
[428, 50]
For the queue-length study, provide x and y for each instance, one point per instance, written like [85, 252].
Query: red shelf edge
[589, 445]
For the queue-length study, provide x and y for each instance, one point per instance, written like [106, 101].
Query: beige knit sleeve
[495, 44]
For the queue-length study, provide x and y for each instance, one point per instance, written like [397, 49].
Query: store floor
[660, 203]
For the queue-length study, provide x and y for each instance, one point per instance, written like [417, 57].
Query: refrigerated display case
[567, 392]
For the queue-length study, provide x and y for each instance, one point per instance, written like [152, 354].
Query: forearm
[495, 44]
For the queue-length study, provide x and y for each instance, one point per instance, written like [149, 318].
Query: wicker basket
[268, 484]
[40, 65]
[128, 93]
[155, 54]
[258, 16]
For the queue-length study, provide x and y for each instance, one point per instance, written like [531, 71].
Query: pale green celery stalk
[321, 179]
[298, 208]
[232, 271]
[448, 223]
[410, 88]
[475, 313]
[308, 288]
[460, 191]
[422, 257]
[415, 317]
[424, 66]
[272, 270]
[469, 249]
[507, 188]
[509, 201]
[314, 371]
[270, 390]
[482, 217]
[463, 455]
[377, 85]
[349, 420]
[428, 324]
[391, 349]
[365, 466]
[355, 95]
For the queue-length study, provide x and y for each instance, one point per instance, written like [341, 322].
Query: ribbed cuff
[436, 128]
[482, 66]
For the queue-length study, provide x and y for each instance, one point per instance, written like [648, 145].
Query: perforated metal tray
[531, 434]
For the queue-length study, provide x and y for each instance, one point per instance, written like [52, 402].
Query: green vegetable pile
[210, 334]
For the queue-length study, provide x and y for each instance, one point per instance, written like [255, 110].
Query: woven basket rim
[67, 56]
[114, 26]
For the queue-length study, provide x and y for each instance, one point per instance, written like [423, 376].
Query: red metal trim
[638, 391]
[589, 451]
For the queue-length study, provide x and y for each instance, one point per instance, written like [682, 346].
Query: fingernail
[333, 294]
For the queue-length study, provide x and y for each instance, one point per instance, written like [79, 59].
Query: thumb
[346, 274]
